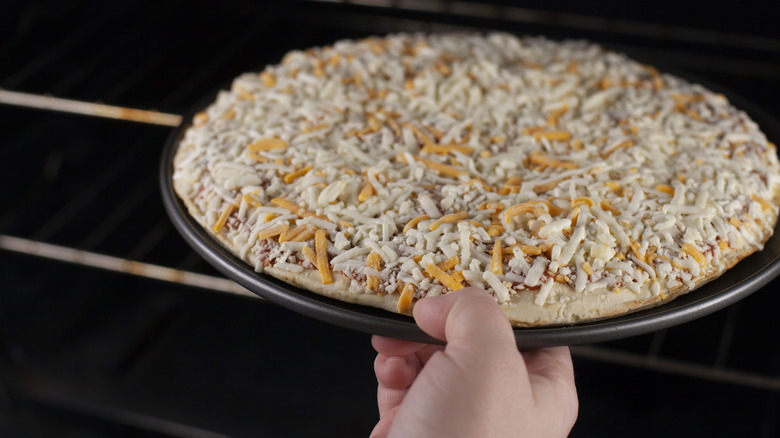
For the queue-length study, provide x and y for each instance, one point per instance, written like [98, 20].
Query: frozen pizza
[570, 182]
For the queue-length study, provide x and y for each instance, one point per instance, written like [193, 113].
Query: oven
[111, 325]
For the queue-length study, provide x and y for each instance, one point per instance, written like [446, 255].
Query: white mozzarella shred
[350, 254]
[554, 228]
[582, 276]
[331, 192]
[418, 276]
[434, 290]
[501, 292]
[278, 220]
[319, 223]
[348, 265]
[276, 210]
[449, 250]
[481, 234]
[571, 246]
[292, 246]
[372, 272]
[534, 275]
[544, 292]
[600, 99]
[341, 242]
[465, 246]
[616, 229]
[429, 207]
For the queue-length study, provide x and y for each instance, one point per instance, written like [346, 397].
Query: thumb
[468, 317]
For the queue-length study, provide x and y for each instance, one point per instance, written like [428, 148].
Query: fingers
[382, 427]
[388, 399]
[552, 378]
[394, 347]
[395, 375]
[550, 363]
[469, 316]
[396, 366]
[397, 372]
[397, 347]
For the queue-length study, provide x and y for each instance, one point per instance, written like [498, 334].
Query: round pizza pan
[748, 276]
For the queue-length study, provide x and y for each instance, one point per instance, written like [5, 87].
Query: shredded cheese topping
[415, 165]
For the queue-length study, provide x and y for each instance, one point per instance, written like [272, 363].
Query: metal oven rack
[78, 181]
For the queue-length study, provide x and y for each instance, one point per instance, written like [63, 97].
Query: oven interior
[110, 325]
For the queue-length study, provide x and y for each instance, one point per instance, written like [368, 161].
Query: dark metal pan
[746, 277]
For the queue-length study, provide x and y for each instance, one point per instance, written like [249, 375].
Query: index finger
[464, 318]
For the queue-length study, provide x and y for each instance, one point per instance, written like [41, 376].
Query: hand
[479, 384]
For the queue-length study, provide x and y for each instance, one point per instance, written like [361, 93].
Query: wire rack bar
[687, 369]
[117, 264]
[87, 108]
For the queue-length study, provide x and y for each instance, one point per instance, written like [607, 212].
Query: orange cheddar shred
[622, 145]
[310, 255]
[251, 200]
[443, 277]
[446, 148]
[530, 250]
[287, 204]
[223, 217]
[292, 176]
[448, 219]
[413, 223]
[587, 268]
[552, 119]
[255, 156]
[497, 259]
[319, 127]
[582, 201]
[405, 300]
[442, 169]
[694, 252]
[764, 203]
[321, 247]
[268, 79]
[273, 231]
[541, 159]
[307, 232]
[372, 261]
[449, 263]
[534, 207]
[606, 206]
[290, 233]
[495, 230]
[267, 144]
[366, 192]
[458, 276]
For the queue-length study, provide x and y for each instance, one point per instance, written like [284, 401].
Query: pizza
[569, 181]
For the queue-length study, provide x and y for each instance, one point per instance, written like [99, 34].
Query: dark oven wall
[111, 325]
